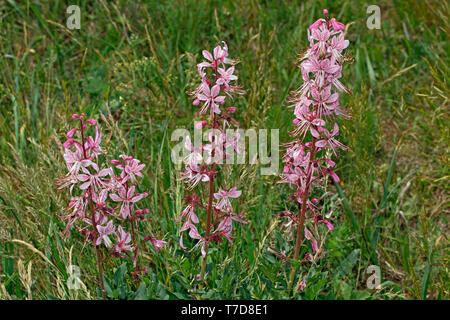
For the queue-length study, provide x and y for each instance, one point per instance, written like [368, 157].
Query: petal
[335, 130]
[82, 177]
[115, 197]
[215, 90]
[321, 143]
[105, 172]
[85, 185]
[335, 177]
[207, 55]
[194, 217]
[181, 242]
[217, 52]
[235, 193]
[314, 132]
[130, 192]
[139, 197]
[193, 233]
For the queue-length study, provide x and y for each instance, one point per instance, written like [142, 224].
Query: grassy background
[130, 65]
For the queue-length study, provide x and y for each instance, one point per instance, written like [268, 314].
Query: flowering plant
[104, 202]
[307, 160]
[201, 162]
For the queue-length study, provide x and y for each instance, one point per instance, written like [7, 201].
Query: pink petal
[139, 197]
[115, 197]
[207, 55]
[335, 177]
[215, 90]
[321, 143]
[85, 185]
[130, 192]
[314, 132]
[181, 242]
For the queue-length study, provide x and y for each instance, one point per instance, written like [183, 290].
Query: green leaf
[348, 263]
[120, 274]
[108, 289]
[141, 293]
[426, 280]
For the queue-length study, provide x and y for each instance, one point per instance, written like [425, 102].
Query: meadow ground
[131, 64]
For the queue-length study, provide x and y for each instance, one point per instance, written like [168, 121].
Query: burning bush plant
[105, 201]
[201, 164]
[307, 159]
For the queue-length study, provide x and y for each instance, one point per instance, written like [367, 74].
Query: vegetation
[130, 65]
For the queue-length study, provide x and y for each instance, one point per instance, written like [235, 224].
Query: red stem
[94, 222]
[211, 193]
[208, 223]
[302, 213]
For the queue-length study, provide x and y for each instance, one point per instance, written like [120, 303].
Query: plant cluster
[104, 200]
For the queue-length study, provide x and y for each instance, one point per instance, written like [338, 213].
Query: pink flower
[309, 121]
[224, 195]
[93, 179]
[337, 45]
[337, 26]
[328, 224]
[128, 199]
[75, 160]
[101, 198]
[132, 169]
[317, 24]
[306, 167]
[200, 124]
[104, 232]
[94, 144]
[195, 157]
[216, 149]
[189, 213]
[194, 174]
[90, 211]
[202, 163]
[158, 244]
[329, 139]
[322, 36]
[122, 241]
[220, 56]
[226, 76]
[211, 98]
[302, 285]
[325, 100]
[309, 236]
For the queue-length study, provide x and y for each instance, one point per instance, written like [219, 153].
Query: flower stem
[97, 249]
[208, 224]
[299, 232]
[302, 216]
[94, 222]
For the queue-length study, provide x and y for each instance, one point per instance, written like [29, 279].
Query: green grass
[130, 65]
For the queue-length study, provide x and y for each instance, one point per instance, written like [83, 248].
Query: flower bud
[71, 133]
[200, 124]
[68, 143]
